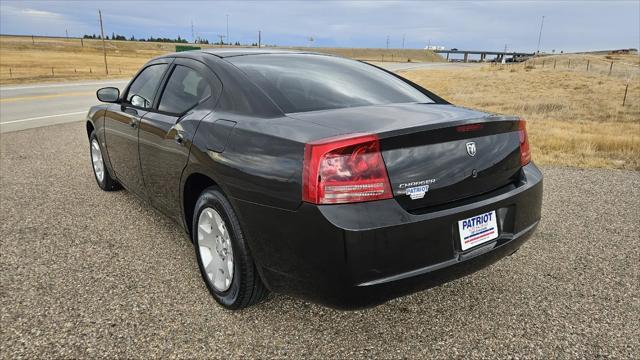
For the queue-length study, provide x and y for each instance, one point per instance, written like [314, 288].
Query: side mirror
[108, 94]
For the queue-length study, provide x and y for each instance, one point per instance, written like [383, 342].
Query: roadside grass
[574, 118]
[57, 59]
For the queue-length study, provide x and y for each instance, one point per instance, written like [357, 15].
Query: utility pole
[228, 40]
[66, 31]
[540, 35]
[403, 41]
[259, 38]
[387, 41]
[221, 39]
[104, 46]
[193, 36]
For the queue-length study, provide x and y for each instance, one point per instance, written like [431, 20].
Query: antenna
[540, 35]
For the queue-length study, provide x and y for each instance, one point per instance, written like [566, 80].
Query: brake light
[470, 127]
[344, 170]
[525, 151]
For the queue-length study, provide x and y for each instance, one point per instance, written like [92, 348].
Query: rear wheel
[225, 262]
[100, 171]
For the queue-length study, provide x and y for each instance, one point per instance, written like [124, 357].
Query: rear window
[305, 82]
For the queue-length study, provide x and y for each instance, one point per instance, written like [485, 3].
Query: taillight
[525, 151]
[344, 170]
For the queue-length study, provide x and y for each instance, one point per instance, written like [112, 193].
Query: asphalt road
[29, 106]
[86, 273]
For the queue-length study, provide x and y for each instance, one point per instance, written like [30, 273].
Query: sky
[471, 25]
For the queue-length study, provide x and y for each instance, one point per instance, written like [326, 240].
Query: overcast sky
[568, 25]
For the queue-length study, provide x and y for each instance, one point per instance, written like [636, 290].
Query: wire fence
[53, 72]
[617, 69]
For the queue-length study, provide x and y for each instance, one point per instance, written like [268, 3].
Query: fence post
[81, 42]
[610, 68]
[588, 65]
[624, 99]
[554, 64]
[10, 74]
[33, 41]
[52, 73]
[543, 63]
[90, 71]
[569, 64]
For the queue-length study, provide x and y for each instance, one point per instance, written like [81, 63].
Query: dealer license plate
[478, 229]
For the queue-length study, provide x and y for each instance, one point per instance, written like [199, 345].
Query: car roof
[231, 52]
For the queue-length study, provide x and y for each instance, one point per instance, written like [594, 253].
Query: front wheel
[225, 262]
[100, 171]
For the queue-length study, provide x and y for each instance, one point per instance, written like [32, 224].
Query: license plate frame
[478, 229]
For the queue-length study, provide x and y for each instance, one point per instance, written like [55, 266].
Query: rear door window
[142, 91]
[184, 90]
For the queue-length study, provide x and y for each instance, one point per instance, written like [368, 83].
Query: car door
[188, 94]
[122, 124]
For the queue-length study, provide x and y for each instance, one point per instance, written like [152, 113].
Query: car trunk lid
[435, 154]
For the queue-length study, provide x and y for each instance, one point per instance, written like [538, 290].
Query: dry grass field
[573, 102]
[575, 118]
[57, 59]
[22, 60]
[394, 55]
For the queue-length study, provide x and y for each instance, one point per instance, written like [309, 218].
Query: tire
[234, 284]
[101, 173]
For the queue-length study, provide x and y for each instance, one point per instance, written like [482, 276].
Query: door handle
[132, 122]
[179, 138]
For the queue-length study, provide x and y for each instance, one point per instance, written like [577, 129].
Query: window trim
[123, 100]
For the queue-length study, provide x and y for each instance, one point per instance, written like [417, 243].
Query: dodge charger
[317, 176]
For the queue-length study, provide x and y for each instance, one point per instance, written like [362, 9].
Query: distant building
[434, 47]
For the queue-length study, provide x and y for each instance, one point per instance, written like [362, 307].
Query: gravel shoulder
[86, 273]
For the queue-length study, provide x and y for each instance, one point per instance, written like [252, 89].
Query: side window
[184, 90]
[143, 88]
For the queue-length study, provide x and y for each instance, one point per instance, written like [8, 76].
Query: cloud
[569, 25]
[29, 21]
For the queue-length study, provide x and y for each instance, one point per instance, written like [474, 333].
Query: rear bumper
[358, 255]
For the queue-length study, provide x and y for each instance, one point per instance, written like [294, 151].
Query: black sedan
[314, 175]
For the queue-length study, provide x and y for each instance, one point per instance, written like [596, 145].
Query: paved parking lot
[88, 273]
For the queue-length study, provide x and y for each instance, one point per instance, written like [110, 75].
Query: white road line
[42, 117]
[62, 85]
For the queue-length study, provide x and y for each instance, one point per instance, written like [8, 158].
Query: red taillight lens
[525, 151]
[469, 128]
[344, 170]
